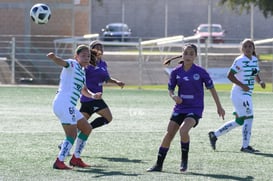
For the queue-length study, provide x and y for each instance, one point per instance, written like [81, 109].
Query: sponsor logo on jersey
[186, 78]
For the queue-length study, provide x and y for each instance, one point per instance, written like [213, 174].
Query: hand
[97, 95]
[177, 99]
[121, 84]
[221, 112]
[51, 55]
[262, 84]
[245, 88]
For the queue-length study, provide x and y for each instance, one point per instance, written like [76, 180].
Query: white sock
[79, 147]
[65, 149]
[246, 132]
[225, 128]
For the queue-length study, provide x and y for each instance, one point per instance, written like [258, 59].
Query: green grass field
[125, 148]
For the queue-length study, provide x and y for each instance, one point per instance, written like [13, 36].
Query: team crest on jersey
[196, 76]
[237, 67]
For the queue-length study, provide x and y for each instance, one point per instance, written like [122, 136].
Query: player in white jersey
[72, 85]
[243, 74]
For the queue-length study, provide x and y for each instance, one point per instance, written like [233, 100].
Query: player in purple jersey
[96, 75]
[189, 104]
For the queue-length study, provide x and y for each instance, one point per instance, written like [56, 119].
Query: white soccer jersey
[245, 71]
[72, 80]
[71, 84]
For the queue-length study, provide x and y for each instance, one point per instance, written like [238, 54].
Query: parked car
[116, 31]
[217, 33]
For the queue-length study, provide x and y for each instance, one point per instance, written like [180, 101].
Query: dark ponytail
[168, 61]
[93, 56]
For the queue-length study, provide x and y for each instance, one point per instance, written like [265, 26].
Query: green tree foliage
[100, 2]
[266, 6]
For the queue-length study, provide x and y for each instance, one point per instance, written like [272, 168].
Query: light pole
[166, 19]
[209, 21]
[122, 11]
[252, 21]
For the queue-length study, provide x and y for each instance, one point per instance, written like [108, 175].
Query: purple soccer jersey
[190, 88]
[95, 78]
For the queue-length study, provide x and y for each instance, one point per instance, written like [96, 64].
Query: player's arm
[233, 79]
[57, 60]
[177, 99]
[259, 80]
[115, 81]
[88, 93]
[220, 110]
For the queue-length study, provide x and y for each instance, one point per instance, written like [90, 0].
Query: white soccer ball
[40, 13]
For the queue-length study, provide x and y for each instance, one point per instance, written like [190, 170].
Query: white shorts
[242, 104]
[66, 112]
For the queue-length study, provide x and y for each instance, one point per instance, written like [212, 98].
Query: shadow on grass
[104, 172]
[99, 172]
[255, 153]
[224, 177]
[264, 154]
[117, 159]
[125, 160]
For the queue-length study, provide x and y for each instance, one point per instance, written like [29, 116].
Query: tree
[266, 6]
[100, 2]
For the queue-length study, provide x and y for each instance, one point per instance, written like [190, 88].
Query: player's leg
[65, 113]
[225, 128]
[84, 130]
[247, 126]
[86, 111]
[246, 132]
[103, 110]
[71, 133]
[237, 101]
[105, 118]
[185, 127]
[165, 145]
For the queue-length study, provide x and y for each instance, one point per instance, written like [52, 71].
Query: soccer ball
[40, 13]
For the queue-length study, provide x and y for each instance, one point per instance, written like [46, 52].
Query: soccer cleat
[60, 165]
[212, 139]
[155, 168]
[184, 166]
[77, 162]
[249, 149]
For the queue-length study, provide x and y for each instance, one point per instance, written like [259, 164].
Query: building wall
[146, 18]
[15, 18]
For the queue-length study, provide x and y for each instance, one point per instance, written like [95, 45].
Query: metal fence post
[272, 67]
[140, 63]
[13, 60]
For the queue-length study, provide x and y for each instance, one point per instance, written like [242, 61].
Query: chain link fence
[23, 58]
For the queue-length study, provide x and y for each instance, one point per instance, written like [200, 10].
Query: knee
[87, 130]
[184, 132]
[85, 127]
[169, 136]
[184, 135]
[110, 119]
